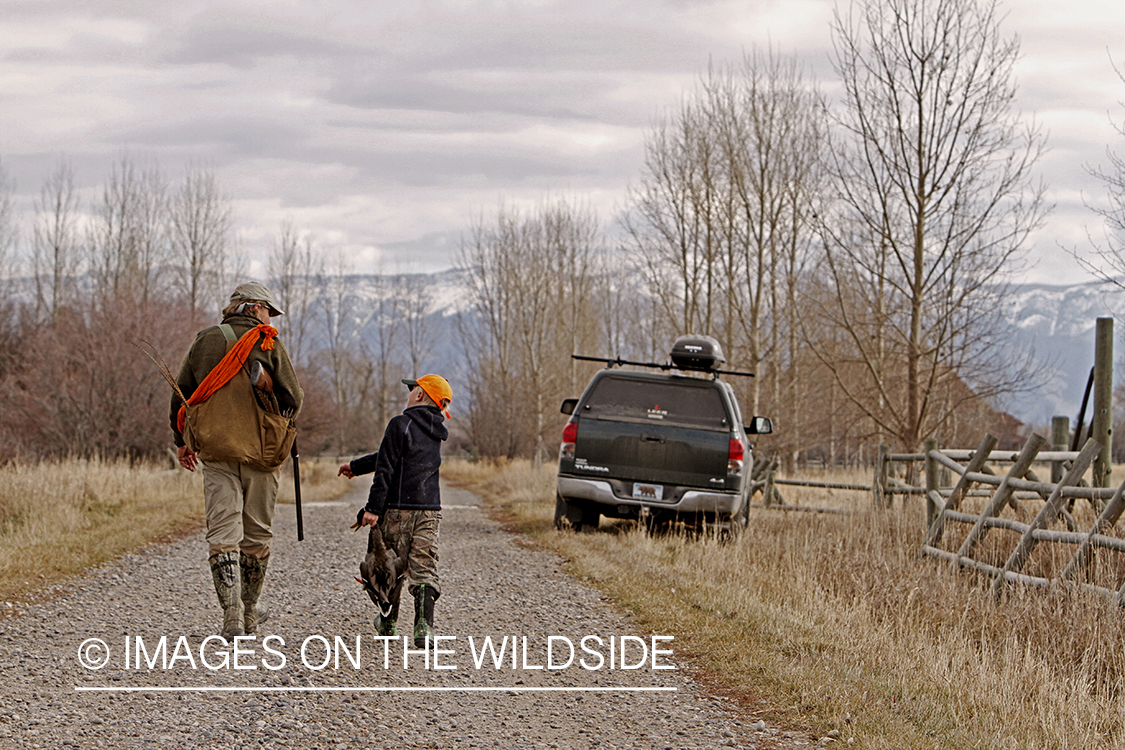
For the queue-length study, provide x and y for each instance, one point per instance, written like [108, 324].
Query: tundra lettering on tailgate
[580, 463]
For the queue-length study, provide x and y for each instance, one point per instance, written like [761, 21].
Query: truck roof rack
[617, 362]
[694, 352]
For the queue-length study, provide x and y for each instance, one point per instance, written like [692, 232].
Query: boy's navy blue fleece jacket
[406, 465]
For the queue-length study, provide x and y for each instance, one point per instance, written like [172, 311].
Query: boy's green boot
[424, 597]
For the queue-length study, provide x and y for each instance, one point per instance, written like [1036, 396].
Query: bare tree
[769, 122]
[723, 222]
[199, 231]
[531, 278]
[383, 331]
[56, 243]
[351, 368]
[488, 337]
[9, 231]
[10, 349]
[293, 270]
[416, 304]
[935, 200]
[127, 239]
[572, 235]
[151, 233]
[1108, 263]
[674, 223]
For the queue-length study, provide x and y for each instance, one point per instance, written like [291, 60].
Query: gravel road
[493, 587]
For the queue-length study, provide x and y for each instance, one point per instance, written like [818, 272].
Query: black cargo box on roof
[697, 352]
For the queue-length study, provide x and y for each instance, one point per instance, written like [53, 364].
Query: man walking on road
[405, 500]
[224, 432]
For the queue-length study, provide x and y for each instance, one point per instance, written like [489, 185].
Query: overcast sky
[384, 127]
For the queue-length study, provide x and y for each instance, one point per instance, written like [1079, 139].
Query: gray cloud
[383, 125]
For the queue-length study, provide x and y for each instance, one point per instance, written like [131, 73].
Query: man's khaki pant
[240, 504]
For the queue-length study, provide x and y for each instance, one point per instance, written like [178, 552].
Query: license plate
[648, 491]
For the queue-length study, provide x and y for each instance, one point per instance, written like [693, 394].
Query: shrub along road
[494, 585]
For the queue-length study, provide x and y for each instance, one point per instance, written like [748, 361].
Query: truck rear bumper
[693, 501]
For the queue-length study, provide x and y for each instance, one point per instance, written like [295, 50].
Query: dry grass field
[59, 517]
[833, 622]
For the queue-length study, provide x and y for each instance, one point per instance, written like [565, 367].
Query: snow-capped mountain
[1056, 323]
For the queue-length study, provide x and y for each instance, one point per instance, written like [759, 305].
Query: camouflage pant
[413, 534]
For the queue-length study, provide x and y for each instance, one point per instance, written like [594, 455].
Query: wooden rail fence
[1007, 492]
[1014, 489]
[764, 479]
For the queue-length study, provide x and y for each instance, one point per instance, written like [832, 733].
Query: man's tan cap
[252, 291]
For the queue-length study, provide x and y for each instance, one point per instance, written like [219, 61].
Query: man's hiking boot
[424, 598]
[228, 585]
[253, 576]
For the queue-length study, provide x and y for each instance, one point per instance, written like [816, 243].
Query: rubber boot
[424, 597]
[228, 585]
[253, 576]
[387, 625]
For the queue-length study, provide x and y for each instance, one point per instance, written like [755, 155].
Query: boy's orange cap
[435, 386]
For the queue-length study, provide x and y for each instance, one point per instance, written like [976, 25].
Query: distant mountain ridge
[1057, 323]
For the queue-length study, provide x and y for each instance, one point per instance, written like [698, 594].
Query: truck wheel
[567, 515]
[590, 518]
[740, 520]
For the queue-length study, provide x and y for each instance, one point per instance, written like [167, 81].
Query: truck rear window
[682, 403]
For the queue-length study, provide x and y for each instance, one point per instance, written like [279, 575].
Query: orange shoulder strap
[228, 366]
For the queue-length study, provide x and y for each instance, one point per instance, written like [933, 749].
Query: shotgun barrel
[297, 491]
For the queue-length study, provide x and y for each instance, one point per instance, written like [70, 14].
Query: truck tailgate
[654, 452]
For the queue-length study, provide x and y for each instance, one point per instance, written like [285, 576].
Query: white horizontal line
[106, 689]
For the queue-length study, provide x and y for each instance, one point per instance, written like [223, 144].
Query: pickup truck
[658, 446]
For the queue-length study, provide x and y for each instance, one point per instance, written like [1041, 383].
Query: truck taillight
[569, 436]
[734, 457]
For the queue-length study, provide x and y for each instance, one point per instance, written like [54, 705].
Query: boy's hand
[346, 471]
[363, 518]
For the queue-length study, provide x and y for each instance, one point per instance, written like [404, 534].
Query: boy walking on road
[405, 502]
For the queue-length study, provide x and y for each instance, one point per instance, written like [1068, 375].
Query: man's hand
[346, 471]
[187, 457]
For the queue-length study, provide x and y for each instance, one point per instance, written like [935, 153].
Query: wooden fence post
[932, 480]
[1060, 441]
[1101, 426]
[767, 493]
[980, 456]
[879, 483]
